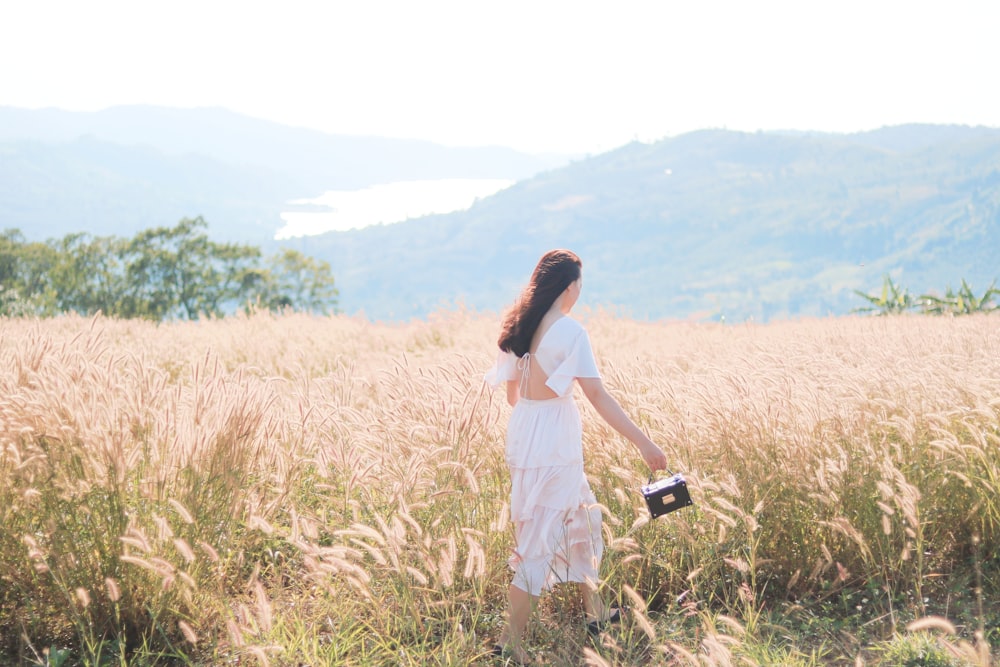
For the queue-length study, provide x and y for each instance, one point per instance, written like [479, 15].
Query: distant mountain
[50, 190]
[707, 225]
[129, 168]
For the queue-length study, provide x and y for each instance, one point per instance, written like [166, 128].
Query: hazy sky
[567, 76]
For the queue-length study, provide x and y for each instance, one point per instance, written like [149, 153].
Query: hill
[707, 225]
[712, 224]
[48, 190]
[128, 168]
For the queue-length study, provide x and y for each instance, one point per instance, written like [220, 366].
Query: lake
[387, 203]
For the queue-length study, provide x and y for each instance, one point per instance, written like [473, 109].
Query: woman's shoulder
[570, 324]
[565, 329]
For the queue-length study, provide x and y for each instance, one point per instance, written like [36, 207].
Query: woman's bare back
[536, 389]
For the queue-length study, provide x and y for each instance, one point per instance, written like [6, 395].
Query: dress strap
[524, 365]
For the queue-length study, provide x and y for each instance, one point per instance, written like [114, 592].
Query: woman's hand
[654, 457]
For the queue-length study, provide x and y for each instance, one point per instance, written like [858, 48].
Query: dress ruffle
[556, 545]
[557, 523]
[504, 369]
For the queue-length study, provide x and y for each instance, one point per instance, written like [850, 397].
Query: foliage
[299, 281]
[962, 302]
[331, 491]
[918, 650]
[894, 300]
[161, 273]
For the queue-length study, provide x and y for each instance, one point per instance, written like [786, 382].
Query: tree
[87, 274]
[179, 272]
[161, 273]
[962, 302]
[26, 275]
[893, 299]
[11, 241]
[300, 282]
[158, 273]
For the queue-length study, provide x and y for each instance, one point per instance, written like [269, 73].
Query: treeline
[895, 299]
[159, 274]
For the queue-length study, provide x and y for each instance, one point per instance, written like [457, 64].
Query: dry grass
[298, 490]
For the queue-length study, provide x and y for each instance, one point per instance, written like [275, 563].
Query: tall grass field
[298, 490]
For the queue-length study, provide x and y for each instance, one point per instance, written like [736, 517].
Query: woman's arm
[513, 392]
[612, 413]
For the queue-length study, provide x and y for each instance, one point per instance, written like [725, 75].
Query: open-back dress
[557, 523]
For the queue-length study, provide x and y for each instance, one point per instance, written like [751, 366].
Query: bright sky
[537, 75]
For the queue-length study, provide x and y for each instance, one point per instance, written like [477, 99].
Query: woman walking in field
[556, 521]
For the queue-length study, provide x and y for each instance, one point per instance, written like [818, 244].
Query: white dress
[556, 521]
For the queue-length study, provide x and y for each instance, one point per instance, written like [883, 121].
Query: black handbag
[666, 495]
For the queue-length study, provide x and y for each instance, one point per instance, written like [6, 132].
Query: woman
[556, 521]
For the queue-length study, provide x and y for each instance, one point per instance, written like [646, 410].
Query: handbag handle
[668, 470]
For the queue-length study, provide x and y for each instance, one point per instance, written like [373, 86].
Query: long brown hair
[556, 270]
